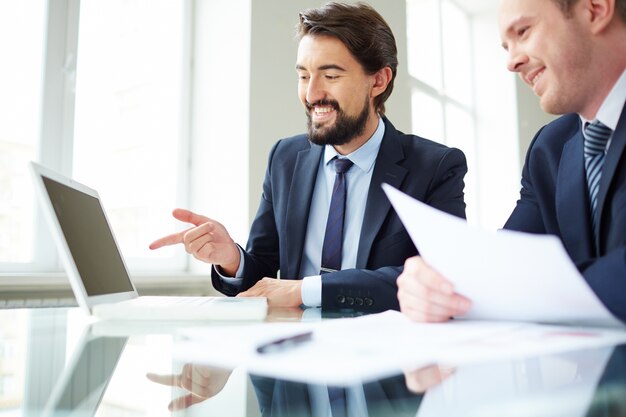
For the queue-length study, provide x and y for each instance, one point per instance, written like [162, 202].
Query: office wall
[220, 108]
[530, 117]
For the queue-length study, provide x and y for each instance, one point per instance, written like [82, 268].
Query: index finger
[171, 380]
[183, 215]
[172, 239]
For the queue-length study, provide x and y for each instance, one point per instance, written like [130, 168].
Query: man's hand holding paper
[507, 275]
[426, 295]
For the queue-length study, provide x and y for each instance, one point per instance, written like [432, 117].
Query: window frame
[444, 100]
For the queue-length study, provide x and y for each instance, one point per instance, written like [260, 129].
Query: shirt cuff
[238, 275]
[312, 291]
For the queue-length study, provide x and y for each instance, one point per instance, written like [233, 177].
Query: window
[463, 96]
[130, 127]
[439, 39]
[22, 25]
[98, 91]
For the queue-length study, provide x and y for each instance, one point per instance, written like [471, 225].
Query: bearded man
[323, 220]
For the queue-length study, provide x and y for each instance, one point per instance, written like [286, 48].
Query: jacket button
[350, 301]
[341, 299]
[358, 301]
[369, 302]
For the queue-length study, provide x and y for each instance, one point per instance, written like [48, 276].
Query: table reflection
[200, 382]
[54, 364]
[583, 383]
[85, 377]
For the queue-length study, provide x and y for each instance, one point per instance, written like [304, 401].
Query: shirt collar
[365, 156]
[612, 106]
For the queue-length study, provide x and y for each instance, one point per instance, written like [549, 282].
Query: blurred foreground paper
[508, 275]
[361, 349]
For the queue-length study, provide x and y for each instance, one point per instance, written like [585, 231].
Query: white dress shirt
[612, 106]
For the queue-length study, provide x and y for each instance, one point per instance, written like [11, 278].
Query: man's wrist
[232, 270]
[228, 270]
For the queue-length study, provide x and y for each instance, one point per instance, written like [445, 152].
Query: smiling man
[572, 54]
[323, 220]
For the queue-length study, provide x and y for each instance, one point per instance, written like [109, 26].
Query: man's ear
[600, 12]
[381, 80]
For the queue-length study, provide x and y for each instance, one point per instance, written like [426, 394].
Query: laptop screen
[89, 239]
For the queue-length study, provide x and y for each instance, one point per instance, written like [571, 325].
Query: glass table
[59, 362]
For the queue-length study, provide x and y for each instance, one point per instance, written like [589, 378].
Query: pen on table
[284, 343]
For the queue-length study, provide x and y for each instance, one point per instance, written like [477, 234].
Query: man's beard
[343, 131]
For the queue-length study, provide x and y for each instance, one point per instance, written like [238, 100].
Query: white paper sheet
[353, 350]
[507, 275]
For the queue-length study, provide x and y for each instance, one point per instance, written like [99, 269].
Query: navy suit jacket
[428, 171]
[554, 200]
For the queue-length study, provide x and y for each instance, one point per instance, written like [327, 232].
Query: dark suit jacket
[554, 200]
[426, 170]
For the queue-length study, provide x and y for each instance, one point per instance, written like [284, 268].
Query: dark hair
[362, 30]
[566, 7]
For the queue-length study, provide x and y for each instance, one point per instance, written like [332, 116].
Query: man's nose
[315, 91]
[516, 60]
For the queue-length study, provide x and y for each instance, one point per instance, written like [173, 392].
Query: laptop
[97, 271]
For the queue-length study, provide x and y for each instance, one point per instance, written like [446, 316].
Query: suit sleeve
[606, 276]
[526, 216]
[376, 290]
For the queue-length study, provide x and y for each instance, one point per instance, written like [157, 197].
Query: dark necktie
[596, 137]
[333, 239]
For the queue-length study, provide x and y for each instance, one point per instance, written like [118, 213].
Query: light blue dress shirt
[358, 180]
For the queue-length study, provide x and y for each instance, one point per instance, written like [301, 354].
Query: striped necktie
[596, 137]
[333, 239]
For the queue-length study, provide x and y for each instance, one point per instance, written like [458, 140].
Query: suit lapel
[299, 205]
[387, 171]
[613, 156]
[572, 201]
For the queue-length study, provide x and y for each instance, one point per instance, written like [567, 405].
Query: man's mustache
[332, 103]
